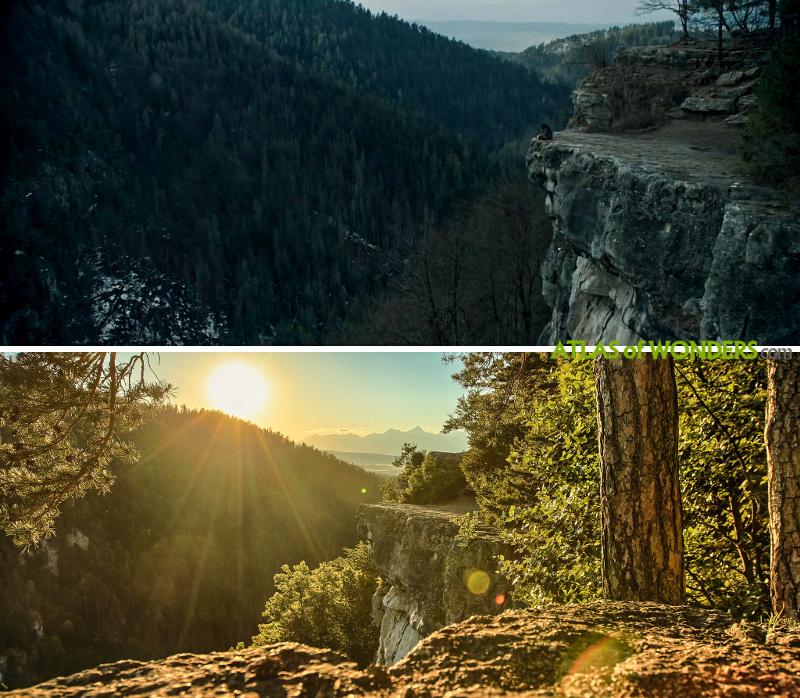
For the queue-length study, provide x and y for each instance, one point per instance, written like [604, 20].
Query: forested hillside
[467, 90]
[573, 58]
[474, 280]
[180, 556]
[197, 171]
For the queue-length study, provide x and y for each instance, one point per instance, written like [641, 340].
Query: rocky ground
[689, 150]
[651, 84]
[599, 649]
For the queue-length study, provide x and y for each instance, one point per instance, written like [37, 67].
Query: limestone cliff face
[657, 233]
[434, 578]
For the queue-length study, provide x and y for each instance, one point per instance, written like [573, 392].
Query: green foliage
[426, 478]
[533, 464]
[777, 93]
[724, 481]
[498, 387]
[541, 481]
[783, 70]
[328, 606]
[64, 417]
[180, 555]
[780, 84]
[555, 527]
[771, 148]
[410, 458]
[468, 525]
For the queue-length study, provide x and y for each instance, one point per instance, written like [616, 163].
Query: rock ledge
[657, 232]
[607, 649]
[434, 576]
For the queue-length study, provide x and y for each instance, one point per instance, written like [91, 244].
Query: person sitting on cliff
[546, 134]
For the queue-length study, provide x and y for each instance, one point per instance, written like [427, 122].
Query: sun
[238, 388]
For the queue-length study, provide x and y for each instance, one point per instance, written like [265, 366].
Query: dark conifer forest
[232, 171]
[180, 555]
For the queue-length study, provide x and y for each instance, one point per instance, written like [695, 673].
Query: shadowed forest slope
[216, 172]
[180, 555]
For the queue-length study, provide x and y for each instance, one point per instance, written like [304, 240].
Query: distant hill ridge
[567, 59]
[507, 36]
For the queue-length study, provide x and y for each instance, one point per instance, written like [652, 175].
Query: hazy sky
[611, 11]
[310, 392]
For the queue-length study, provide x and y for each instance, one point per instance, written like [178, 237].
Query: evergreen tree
[328, 606]
[63, 418]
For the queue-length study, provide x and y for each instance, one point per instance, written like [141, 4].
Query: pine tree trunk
[640, 498]
[782, 439]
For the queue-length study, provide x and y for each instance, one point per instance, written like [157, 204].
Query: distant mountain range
[389, 442]
[507, 36]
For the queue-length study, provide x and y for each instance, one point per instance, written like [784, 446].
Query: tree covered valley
[207, 171]
[307, 172]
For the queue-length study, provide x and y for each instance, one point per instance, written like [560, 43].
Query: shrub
[427, 477]
[328, 606]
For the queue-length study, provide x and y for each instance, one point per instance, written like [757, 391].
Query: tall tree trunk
[773, 11]
[782, 439]
[640, 497]
[683, 12]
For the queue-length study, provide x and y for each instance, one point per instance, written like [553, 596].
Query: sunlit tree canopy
[64, 417]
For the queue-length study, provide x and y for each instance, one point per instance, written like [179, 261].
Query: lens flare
[601, 656]
[500, 599]
[477, 582]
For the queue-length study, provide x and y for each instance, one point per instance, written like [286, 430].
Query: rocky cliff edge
[601, 649]
[658, 233]
[434, 574]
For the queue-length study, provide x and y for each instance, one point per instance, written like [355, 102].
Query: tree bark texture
[640, 497]
[782, 438]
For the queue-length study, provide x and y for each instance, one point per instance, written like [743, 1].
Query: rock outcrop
[649, 84]
[657, 233]
[286, 669]
[608, 649]
[435, 576]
